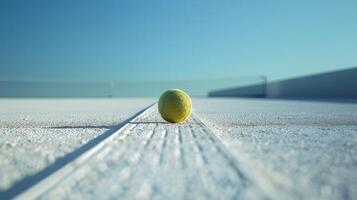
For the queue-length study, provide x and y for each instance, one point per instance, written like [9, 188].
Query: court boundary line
[30, 186]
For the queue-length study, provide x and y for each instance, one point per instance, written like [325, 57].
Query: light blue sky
[174, 40]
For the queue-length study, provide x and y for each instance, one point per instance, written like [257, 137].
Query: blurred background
[141, 48]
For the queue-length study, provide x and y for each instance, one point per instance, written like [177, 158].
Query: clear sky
[174, 40]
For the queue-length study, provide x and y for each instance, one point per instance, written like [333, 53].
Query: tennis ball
[175, 106]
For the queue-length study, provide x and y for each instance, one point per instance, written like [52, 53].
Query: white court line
[69, 168]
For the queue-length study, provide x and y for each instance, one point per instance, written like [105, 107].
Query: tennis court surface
[228, 149]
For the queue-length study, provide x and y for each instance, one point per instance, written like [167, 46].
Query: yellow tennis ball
[175, 106]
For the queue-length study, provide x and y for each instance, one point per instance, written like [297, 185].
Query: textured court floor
[295, 149]
[230, 149]
[36, 132]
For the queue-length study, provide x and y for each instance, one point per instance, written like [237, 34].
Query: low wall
[257, 91]
[337, 84]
